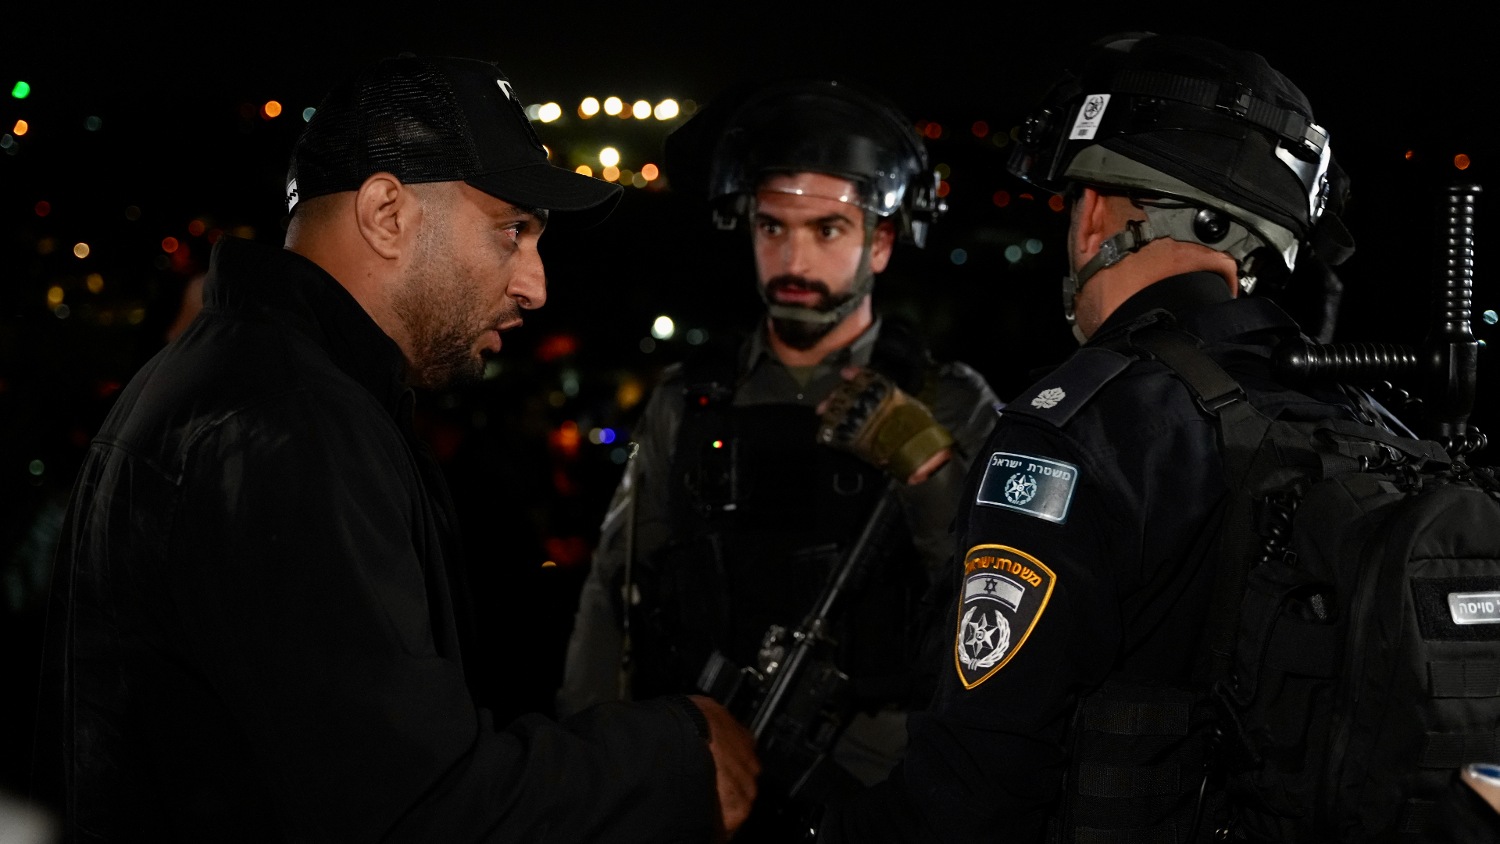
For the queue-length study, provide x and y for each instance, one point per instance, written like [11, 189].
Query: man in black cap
[255, 628]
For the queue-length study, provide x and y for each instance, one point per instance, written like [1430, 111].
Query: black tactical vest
[762, 515]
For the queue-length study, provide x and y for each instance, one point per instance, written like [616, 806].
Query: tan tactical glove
[869, 416]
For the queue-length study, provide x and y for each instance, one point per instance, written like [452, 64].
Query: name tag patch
[1035, 486]
[1474, 607]
[1004, 593]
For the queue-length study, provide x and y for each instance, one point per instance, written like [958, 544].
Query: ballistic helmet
[729, 148]
[1216, 146]
[825, 127]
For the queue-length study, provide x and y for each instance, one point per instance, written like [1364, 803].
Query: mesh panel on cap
[413, 127]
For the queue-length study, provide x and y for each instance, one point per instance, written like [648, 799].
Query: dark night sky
[170, 83]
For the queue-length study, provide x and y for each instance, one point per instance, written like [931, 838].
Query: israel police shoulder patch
[1036, 486]
[1005, 591]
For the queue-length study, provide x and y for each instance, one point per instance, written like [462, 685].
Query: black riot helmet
[730, 147]
[826, 127]
[1219, 148]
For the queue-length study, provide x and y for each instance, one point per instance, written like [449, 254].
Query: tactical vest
[762, 515]
[1340, 682]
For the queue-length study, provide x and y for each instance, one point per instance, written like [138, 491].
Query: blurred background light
[663, 328]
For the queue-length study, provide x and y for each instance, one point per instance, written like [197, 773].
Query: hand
[870, 417]
[1484, 778]
[735, 763]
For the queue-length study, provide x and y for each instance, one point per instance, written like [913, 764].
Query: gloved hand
[870, 417]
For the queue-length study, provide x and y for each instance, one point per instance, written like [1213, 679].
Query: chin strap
[1185, 223]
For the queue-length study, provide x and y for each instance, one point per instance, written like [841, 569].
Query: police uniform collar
[1201, 304]
[1178, 295]
[857, 353]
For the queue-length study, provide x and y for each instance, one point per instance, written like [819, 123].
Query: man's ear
[382, 208]
[1091, 224]
[882, 240]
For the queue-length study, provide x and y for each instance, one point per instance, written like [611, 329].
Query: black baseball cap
[438, 119]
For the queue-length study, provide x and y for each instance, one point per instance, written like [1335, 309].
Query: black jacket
[252, 633]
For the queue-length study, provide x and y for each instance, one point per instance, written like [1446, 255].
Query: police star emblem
[1005, 591]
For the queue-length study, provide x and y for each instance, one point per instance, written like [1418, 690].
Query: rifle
[793, 700]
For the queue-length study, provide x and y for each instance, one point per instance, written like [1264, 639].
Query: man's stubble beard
[799, 334]
[434, 303]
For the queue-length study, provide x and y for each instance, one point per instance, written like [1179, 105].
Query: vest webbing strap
[1155, 835]
[1136, 718]
[1463, 679]
[1449, 750]
[1140, 781]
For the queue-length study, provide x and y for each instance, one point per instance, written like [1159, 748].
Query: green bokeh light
[22, 90]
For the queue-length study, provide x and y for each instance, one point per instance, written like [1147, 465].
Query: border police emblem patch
[1005, 591]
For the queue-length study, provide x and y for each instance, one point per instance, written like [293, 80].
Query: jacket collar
[250, 279]
[1201, 303]
[857, 353]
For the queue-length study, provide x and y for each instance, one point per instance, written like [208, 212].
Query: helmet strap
[1181, 222]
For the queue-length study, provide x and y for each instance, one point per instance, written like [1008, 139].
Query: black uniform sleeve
[1045, 532]
[309, 613]
[637, 524]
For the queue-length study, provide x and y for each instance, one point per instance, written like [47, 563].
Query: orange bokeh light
[1461, 161]
[556, 346]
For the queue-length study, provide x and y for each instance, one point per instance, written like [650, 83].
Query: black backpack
[1354, 642]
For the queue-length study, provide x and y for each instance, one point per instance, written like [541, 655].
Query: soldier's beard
[804, 334]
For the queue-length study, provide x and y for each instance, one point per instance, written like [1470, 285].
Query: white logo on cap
[291, 195]
[505, 88]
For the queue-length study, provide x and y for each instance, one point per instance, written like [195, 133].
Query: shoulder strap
[901, 355]
[1242, 429]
